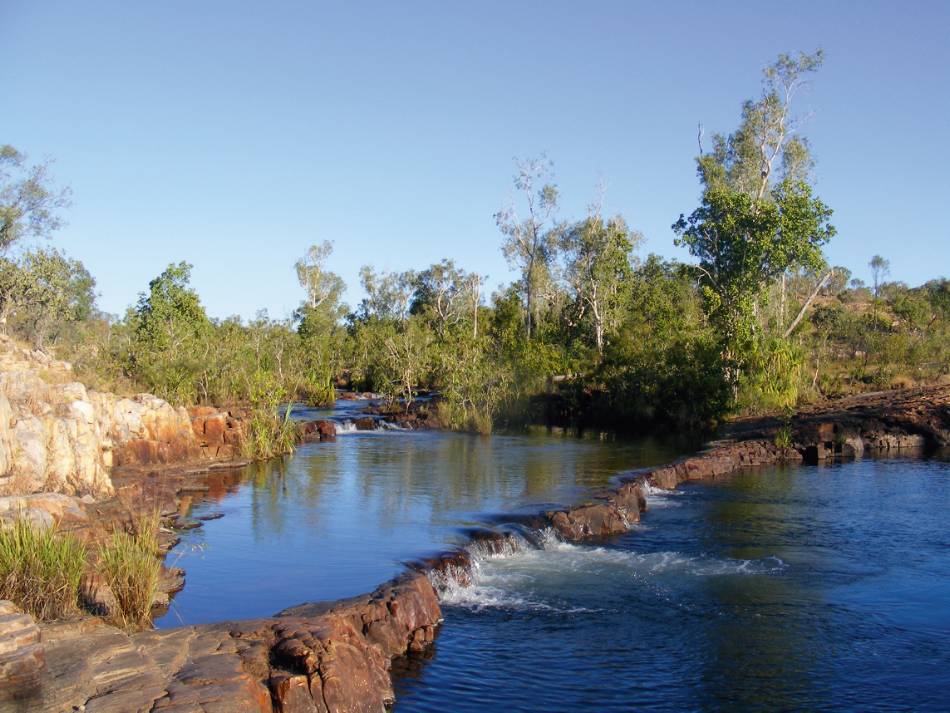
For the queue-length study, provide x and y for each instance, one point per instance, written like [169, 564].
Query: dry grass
[40, 569]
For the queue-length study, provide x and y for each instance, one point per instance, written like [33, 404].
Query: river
[807, 588]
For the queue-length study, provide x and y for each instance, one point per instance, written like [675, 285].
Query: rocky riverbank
[337, 656]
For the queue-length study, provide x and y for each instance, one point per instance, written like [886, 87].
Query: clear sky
[233, 135]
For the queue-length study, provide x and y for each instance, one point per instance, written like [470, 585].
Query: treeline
[590, 332]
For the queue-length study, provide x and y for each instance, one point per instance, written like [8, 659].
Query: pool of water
[812, 588]
[338, 519]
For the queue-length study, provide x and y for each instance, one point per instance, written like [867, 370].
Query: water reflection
[337, 519]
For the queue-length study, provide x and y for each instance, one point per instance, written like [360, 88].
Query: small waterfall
[660, 497]
[343, 427]
[461, 579]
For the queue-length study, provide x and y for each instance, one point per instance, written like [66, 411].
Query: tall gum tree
[758, 216]
[531, 239]
[597, 255]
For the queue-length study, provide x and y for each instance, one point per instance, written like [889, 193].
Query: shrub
[40, 569]
[269, 434]
[131, 567]
[783, 437]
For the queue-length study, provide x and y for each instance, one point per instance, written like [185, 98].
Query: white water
[348, 426]
[528, 577]
[344, 427]
[660, 497]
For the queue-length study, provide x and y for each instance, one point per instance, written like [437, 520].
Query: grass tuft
[40, 569]
[131, 567]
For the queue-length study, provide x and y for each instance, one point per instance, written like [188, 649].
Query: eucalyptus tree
[389, 295]
[318, 322]
[447, 296]
[758, 216]
[597, 256]
[43, 293]
[880, 268]
[531, 238]
[29, 204]
[30, 208]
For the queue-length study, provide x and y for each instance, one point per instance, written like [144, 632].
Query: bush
[131, 567]
[269, 434]
[40, 569]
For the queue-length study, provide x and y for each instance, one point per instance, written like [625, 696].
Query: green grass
[130, 565]
[269, 435]
[40, 569]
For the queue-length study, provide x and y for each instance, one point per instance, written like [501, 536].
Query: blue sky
[233, 135]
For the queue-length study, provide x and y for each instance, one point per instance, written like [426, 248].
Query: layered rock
[220, 434]
[22, 657]
[328, 658]
[58, 436]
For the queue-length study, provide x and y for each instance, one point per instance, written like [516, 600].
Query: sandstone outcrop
[328, 658]
[220, 434]
[22, 657]
[58, 436]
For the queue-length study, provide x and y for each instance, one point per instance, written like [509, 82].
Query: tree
[318, 320]
[29, 204]
[745, 161]
[388, 295]
[447, 296]
[43, 292]
[323, 288]
[755, 222]
[530, 243]
[597, 254]
[171, 336]
[743, 244]
[880, 268]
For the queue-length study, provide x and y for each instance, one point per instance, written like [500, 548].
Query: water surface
[813, 588]
[338, 519]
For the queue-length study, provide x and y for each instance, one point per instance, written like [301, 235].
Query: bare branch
[804, 309]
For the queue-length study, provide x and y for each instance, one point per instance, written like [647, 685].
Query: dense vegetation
[589, 332]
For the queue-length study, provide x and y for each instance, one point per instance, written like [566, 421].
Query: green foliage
[130, 564]
[772, 379]
[40, 569]
[270, 433]
[744, 244]
[783, 437]
[170, 336]
[29, 204]
[598, 270]
[44, 295]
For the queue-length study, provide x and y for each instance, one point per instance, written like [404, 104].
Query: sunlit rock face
[57, 436]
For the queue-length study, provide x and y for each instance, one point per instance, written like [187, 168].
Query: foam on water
[344, 427]
[525, 575]
[660, 497]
